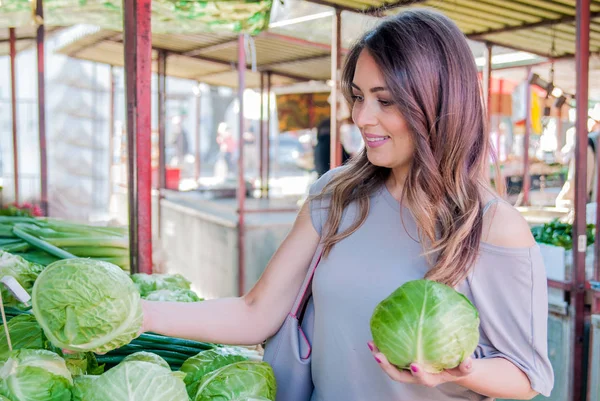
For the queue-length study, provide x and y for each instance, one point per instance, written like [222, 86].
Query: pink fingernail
[414, 368]
[378, 360]
[370, 346]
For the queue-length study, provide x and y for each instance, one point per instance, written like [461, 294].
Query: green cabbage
[206, 362]
[426, 323]
[147, 357]
[35, 375]
[83, 363]
[23, 271]
[87, 305]
[84, 387]
[179, 295]
[147, 283]
[131, 381]
[25, 332]
[241, 379]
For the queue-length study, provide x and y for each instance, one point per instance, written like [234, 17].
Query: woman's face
[388, 141]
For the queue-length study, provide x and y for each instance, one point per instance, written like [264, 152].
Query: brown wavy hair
[431, 74]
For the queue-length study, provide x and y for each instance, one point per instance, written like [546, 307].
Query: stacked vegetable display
[92, 310]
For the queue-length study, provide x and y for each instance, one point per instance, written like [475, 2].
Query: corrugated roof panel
[187, 67]
[522, 7]
[314, 69]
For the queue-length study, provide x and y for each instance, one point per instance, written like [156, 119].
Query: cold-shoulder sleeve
[510, 290]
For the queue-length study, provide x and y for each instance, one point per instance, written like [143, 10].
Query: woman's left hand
[417, 375]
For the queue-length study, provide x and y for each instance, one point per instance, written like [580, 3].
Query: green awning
[168, 16]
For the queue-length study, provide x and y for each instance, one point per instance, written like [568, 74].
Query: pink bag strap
[305, 292]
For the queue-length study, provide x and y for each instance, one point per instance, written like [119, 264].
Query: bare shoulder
[504, 226]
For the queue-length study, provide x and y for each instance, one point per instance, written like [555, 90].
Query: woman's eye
[385, 103]
[357, 98]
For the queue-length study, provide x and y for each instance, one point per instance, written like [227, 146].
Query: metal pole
[499, 116]
[111, 131]
[162, 115]
[582, 58]
[336, 62]
[198, 158]
[138, 67]
[526, 138]
[13, 99]
[261, 139]
[268, 137]
[42, 110]
[241, 192]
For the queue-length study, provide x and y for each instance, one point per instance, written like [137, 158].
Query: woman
[415, 203]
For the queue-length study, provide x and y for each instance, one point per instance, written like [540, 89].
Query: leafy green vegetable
[87, 305]
[179, 295]
[147, 357]
[83, 363]
[25, 332]
[427, 323]
[24, 272]
[238, 380]
[147, 283]
[131, 381]
[560, 234]
[35, 375]
[206, 362]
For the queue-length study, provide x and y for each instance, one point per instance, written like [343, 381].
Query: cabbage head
[131, 381]
[35, 375]
[87, 305]
[83, 363]
[147, 283]
[147, 357]
[25, 332]
[426, 323]
[23, 271]
[179, 295]
[206, 362]
[244, 379]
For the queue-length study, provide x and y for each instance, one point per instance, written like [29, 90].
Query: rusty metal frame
[579, 225]
[13, 101]
[138, 74]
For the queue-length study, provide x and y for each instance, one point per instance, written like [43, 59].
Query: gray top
[507, 285]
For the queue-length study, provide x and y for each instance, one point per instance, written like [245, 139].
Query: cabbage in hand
[426, 323]
[87, 305]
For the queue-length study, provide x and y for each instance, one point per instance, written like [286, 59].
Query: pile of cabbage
[89, 307]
